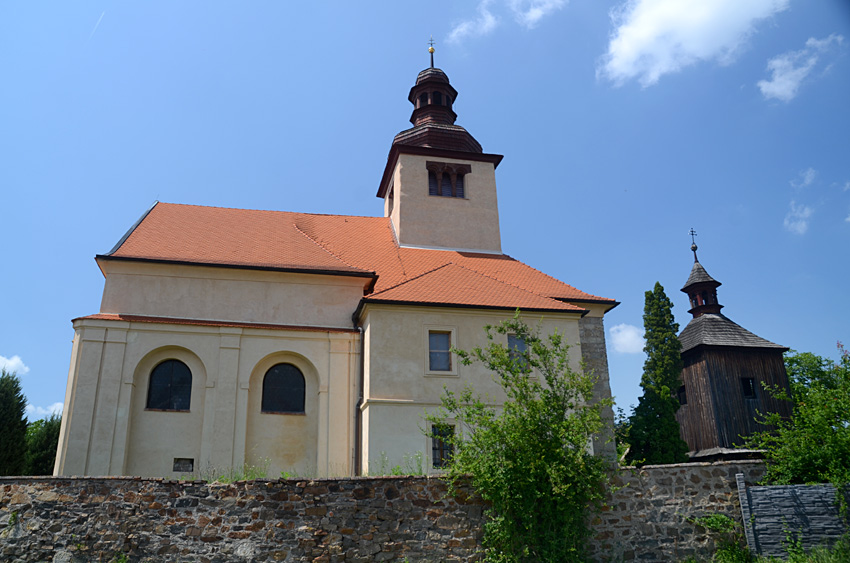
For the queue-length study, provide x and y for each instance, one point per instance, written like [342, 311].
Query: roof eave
[704, 345]
[608, 303]
[365, 301]
[318, 271]
[397, 150]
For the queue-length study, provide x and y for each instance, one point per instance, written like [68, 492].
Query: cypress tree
[654, 434]
[13, 425]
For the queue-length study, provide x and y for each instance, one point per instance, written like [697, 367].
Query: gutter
[372, 276]
[358, 415]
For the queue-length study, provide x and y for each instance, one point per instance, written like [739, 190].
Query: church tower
[439, 187]
[725, 366]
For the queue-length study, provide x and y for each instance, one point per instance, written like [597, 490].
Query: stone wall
[71, 520]
[648, 509]
[591, 332]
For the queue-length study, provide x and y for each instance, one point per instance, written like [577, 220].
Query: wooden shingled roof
[717, 330]
[343, 245]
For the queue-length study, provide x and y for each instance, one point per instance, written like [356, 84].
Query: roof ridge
[510, 284]
[414, 278]
[320, 245]
[267, 210]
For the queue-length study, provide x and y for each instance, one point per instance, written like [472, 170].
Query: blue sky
[623, 125]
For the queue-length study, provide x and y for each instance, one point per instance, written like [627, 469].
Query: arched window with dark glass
[170, 387]
[283, 390]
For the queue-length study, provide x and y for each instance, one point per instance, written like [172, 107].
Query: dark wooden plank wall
[717, 413]
[696, 418]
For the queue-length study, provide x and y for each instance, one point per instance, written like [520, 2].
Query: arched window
[423, 99]
[438, 98]
[170, 387]
[283, 390]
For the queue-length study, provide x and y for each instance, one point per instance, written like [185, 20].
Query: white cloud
[847, 186]
[797, 219]
[804, 178]
[483, 24]
[847, 219]
[34, 413]
[657, 37]
[789, 70]
[14, 365]
[627, 339]
[529, 12]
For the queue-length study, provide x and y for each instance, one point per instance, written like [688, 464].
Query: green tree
[13, 424]
[529, 460]
[813, 446]
[654, 433]
[42, 441]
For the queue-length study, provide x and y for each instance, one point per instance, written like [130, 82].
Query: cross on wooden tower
[693, 234]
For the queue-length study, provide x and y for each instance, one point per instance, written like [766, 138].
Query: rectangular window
[517, 349]
[439, 350]
[748, 386]
[683, 396]
[441, 446]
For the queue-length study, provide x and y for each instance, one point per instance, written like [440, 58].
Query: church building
[725, 367]
[309, 343]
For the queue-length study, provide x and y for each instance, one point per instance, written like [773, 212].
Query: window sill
[166, 410]
[285, 413]
[441, 374]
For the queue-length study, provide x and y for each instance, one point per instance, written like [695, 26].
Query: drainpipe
[358, 416]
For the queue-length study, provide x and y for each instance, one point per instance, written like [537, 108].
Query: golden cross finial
[431, 50]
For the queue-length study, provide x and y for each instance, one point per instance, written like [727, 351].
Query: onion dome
[433, 118]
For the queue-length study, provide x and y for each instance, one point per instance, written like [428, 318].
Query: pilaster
[220, 443]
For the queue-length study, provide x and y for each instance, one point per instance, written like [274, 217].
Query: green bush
[528, 460]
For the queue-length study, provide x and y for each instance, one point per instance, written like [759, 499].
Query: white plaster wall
[420, 219]
[109, 431]
[155, 438]
[254, 296]
[401, 388]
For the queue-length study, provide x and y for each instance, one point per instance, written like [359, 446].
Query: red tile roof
[453, 284]
[343, 245]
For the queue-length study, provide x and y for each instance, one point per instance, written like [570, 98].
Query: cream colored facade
[108, 431]
[425, 221]
[365, 363]
[400, 387]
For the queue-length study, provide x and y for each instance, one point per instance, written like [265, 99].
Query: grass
[232, 474]
[733, 550]
[412, 464]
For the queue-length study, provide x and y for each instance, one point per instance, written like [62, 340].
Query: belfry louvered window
[447, 180]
